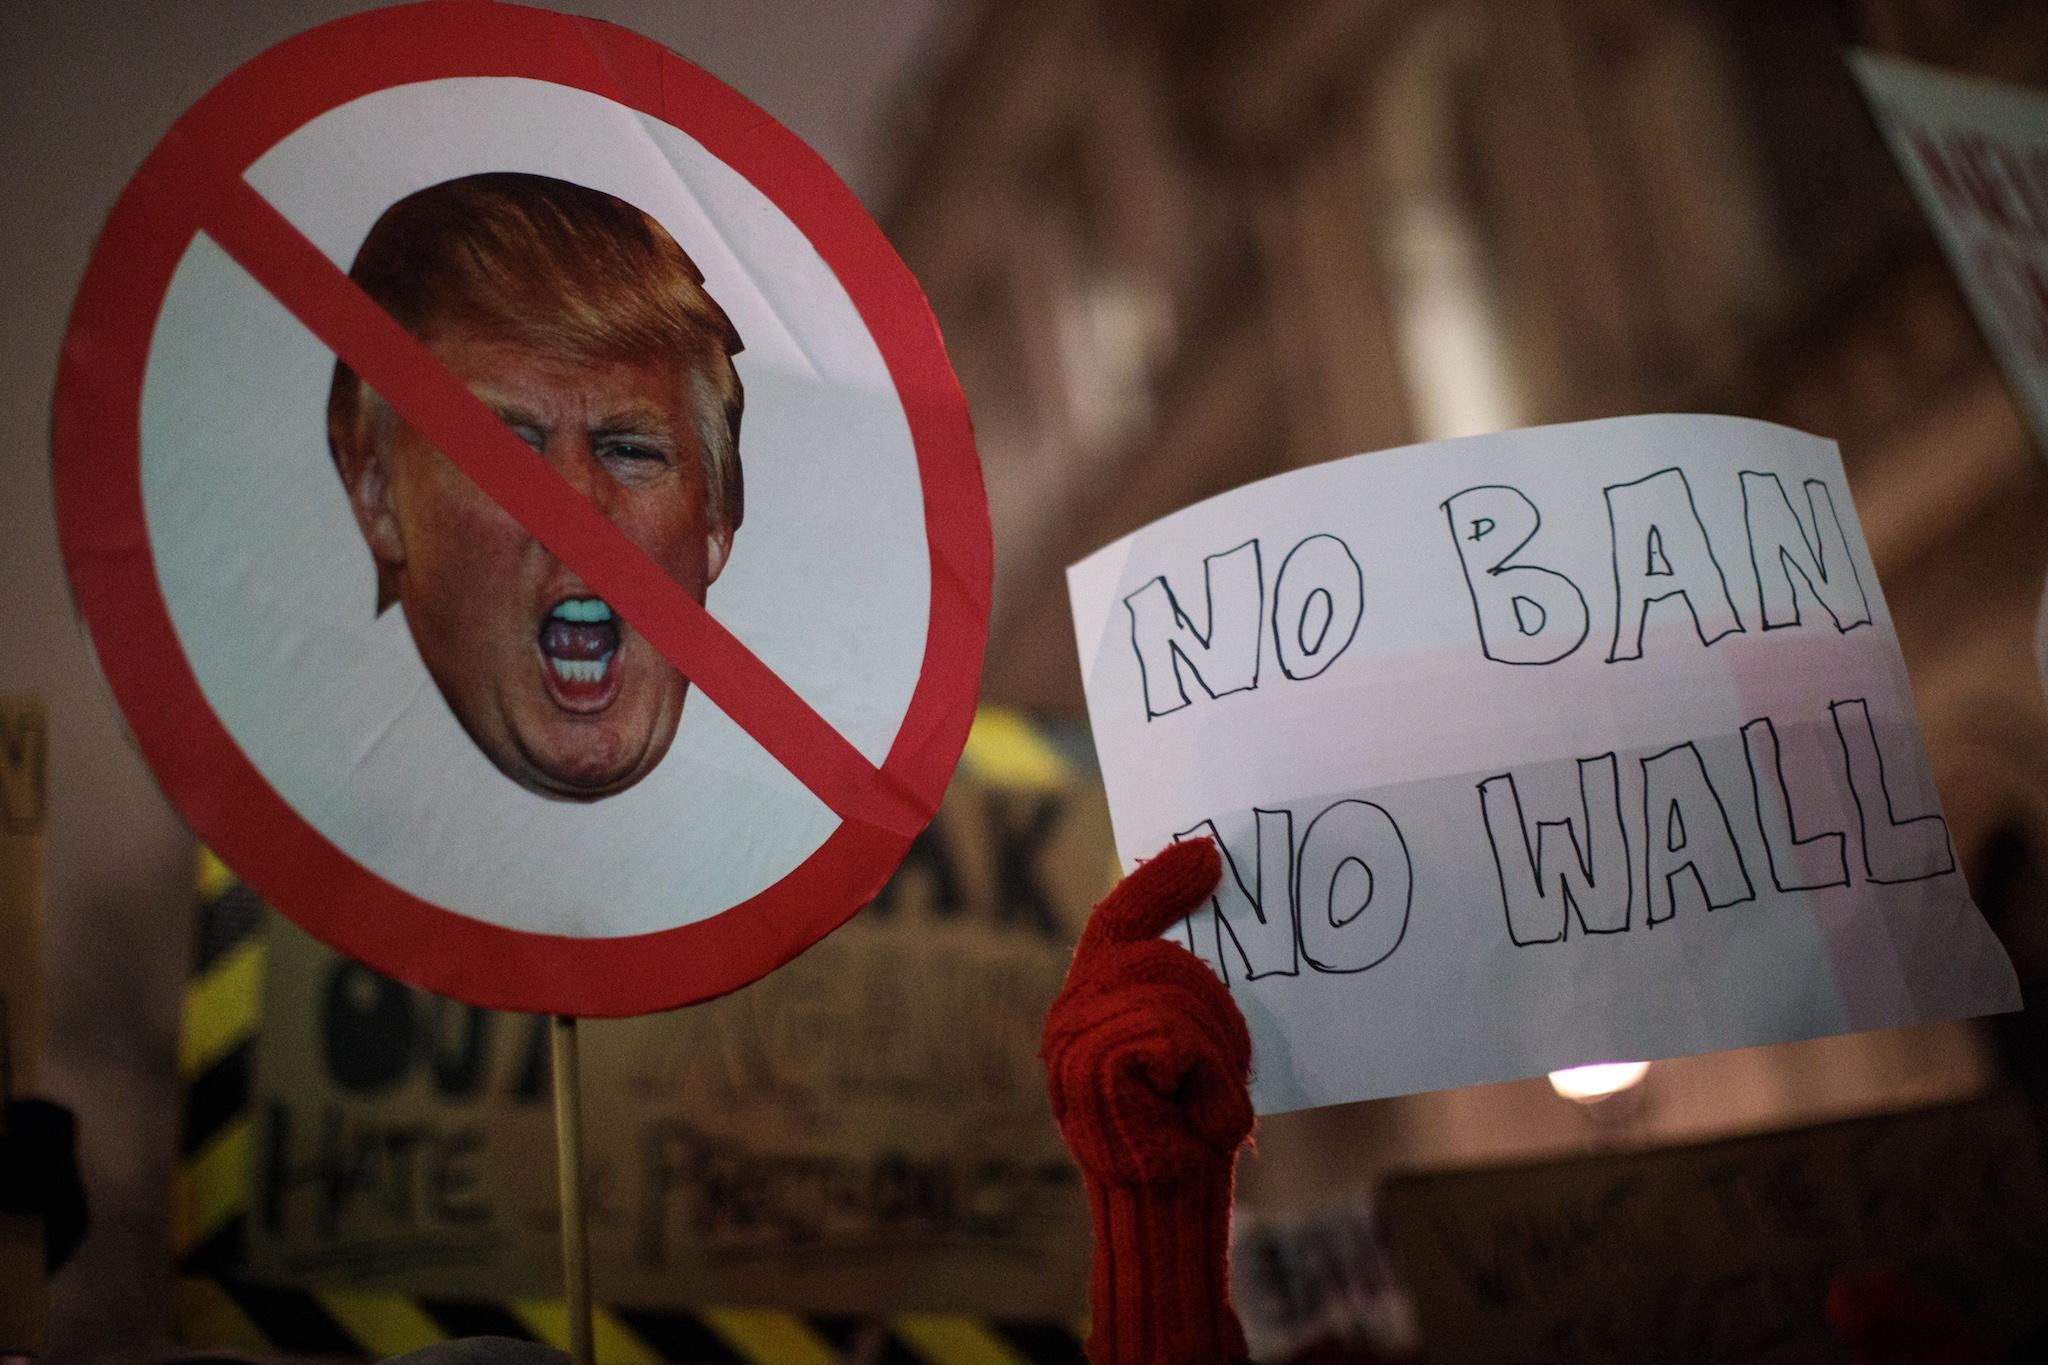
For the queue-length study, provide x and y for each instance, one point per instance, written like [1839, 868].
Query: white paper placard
[1976, 154]
[1528, 750]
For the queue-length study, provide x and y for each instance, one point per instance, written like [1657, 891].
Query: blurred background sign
[24, 744]
[1976, 154]
[864, 1134]
[1319, 1280]
[1726, 1251]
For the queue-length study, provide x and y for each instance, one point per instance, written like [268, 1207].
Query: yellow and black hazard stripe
[223, 1007]
[215, 1304]
[337, 1323]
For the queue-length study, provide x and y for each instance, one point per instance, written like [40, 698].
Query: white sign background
[1375, 954]
[272, 590]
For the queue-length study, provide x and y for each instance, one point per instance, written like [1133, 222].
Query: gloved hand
[1149, 1065]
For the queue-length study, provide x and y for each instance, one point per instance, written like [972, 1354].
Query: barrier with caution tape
[341, 1323]
[226, 1136]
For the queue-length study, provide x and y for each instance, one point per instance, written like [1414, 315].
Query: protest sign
[24, 749]
[1727, 1250]
[866, 1131]
[1527, 750]
[1976, 153]
[1318, 1279]
[404, 576]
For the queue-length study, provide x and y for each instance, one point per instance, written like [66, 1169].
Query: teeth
[580, 670]
[582, 609]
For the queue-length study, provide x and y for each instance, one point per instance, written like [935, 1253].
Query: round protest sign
[523, 508]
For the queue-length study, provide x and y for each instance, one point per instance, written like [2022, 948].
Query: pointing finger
[1166, 888]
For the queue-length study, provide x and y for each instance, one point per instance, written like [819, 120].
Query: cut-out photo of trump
[580, 322]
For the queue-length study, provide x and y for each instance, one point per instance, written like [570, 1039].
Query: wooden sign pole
[569, 1162]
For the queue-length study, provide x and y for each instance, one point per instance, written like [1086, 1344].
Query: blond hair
[571, 272]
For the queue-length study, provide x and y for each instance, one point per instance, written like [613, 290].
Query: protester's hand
[1145, 1052]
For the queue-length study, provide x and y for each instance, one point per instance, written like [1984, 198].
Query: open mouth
[579, 648]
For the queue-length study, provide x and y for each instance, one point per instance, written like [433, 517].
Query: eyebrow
[512, 415]
[632, 420]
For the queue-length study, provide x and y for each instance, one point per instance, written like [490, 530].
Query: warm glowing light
[1587, 1084]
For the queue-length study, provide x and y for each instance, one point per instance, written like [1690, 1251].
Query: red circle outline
[105, 539]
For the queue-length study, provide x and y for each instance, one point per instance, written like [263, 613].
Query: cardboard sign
[1976, 154]
[1555, 746]
[1726, 1251]
[24, 750]
[864, 1131]
[403, 482]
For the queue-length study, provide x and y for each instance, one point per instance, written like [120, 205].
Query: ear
[719, 545]
[363, 458]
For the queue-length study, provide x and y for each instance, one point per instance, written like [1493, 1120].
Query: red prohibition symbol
[194, 183]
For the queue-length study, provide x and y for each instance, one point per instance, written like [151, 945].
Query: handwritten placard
[1976, 154]
[1554, 746]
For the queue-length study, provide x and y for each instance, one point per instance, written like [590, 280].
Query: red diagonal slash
[267, 245]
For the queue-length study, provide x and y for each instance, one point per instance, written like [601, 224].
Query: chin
[579, 781]
[578, 788]
[582, 767]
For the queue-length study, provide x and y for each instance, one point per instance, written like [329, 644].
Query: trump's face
[561, 694]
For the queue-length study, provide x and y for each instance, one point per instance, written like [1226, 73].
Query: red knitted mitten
[1149, 1065]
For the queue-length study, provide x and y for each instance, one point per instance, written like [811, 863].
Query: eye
[633, 453]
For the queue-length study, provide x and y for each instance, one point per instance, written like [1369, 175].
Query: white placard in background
[1976, 154]
[1534, 749]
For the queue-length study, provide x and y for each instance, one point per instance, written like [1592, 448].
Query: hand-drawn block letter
[1222, 653]
[1256, 921]
[1686, 834]
[1318, 600]
[1353, 884]
[1796, 864]
[1780, 546]
[1526, 614]
[1661, 550]
[1593, 879]
[1894, 850]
